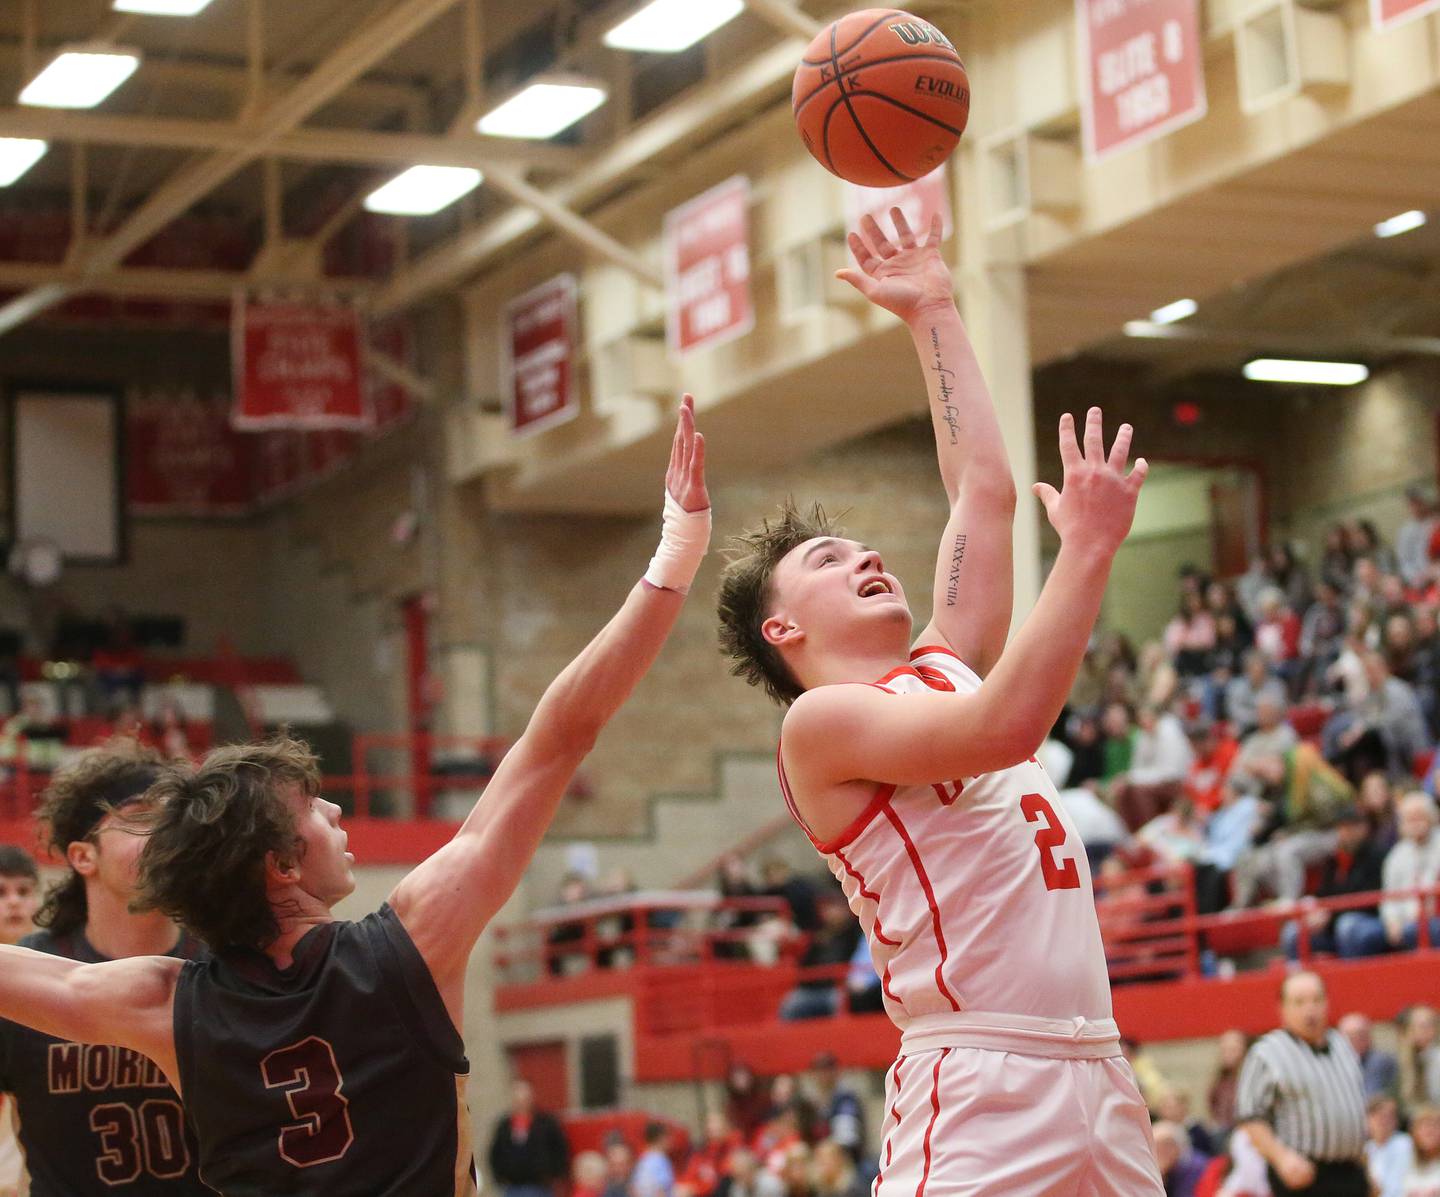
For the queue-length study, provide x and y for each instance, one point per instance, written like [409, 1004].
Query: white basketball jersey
[975, 895]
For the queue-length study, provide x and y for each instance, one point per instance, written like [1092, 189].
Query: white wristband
[684, 537]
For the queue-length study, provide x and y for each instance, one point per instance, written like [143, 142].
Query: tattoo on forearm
[957, 559]
[951, 413]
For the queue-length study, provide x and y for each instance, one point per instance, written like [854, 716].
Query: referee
[1302, 1099]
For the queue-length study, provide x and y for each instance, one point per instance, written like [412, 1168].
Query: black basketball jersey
[339, 1076]
[95, 1119]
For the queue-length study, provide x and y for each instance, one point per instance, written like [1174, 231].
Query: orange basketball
[881, 97]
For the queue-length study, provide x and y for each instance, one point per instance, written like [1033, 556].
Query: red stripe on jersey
[898, 671]
[889, 1144]
[924, 879]
[879, 928]
[883, 794]
[789, 798]
[934, 1117]
[925, 650]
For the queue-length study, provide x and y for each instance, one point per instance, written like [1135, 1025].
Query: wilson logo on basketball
[919, 33]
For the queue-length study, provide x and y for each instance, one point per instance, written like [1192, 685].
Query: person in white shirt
[1412, 863]
[1389, 1152]
[1423, 1177]
[1412, 542]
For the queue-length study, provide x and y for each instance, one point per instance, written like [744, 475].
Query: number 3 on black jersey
[311, 1078]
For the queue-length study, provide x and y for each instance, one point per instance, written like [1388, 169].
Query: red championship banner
[183, 458]
[1142, 70]
[919, 200]
[1384, 13]
[298, 366]
[539, 334]
[707, 268]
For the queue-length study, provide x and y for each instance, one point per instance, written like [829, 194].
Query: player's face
[119, 838]
[326, 866]
[19, 899]
[835, 589]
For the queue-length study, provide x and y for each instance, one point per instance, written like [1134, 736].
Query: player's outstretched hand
[1096, 503]
[904, 276]
[685, 479]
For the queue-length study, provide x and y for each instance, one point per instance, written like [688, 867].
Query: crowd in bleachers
[1278, 737]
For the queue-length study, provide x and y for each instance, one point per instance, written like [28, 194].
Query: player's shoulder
[816, 714]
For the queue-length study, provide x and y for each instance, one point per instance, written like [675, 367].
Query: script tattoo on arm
[946, 377]
[957, 559]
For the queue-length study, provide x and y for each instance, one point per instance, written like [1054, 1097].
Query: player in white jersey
[912, 772]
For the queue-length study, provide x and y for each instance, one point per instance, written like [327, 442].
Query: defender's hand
[1097, 503]
[685, 479]
[905, 278]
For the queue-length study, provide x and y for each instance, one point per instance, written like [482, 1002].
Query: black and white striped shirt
[1313, 1098]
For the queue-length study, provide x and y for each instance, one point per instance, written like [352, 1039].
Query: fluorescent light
[17, 155]
[162, 8]
[80, 77]
[1179, 310]
[542, 110]
[665, 26]
[423, 190]
[1325, 374]
[1400, 224]
[1144, 328]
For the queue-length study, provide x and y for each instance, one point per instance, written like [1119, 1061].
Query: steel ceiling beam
[351, 59]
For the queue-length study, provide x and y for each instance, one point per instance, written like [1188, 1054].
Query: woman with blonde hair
[1423, 1179]
[833, 1172]
[1419, 1058]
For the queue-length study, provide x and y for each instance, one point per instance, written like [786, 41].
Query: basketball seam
[845, 74]
[924, 116]
[855, 120]
[892, 12]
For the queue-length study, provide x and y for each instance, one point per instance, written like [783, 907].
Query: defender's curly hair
[745, 596]
[214, 825]
[97, 783]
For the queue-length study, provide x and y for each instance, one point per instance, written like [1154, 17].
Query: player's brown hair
[214, 825]
[97, 783]
[745, 596]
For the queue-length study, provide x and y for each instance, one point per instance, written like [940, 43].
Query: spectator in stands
[1148, 1077]
[1427, 665]
[1290, 576]
[1261, 750]
[798, 893]
[588, 1175]
[654, 1174]
[119, 666]
[1100, 829]
[1160, 757]
[168, 732]
[1322, 635]
[779, 1134]
[710, 1161]
[1118, 728]
[1379, 1068]
[840, 1117]
[1377, 799]
[1220, 1100]
[795, 1171]
[1302, 1100]
[1388, 1151]
[1087, 747]
[1190, 636]
[786, 1096]
[1244, 694]
[1229, 834]
[35, 734]
[617, 931]
[1277, 635]
[1399, 644]
[834, 1173]
[1422, 1178]
[1413, 863]
[1365, 544]
[862, 984]
[1215, 750]
[619, 1165]
[833, 944]
[1385, 730]
[746, 1101]
[1335, 559]
[1306, 797]
[1354, 867]
[1156, 679]
[735, 881]
[19, 894]
[529, 1155]
[1419, 1057]
[1174, 1107]
[574, 889]
[1181, 1166]
[746, 1178]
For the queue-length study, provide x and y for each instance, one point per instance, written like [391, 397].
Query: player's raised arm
[447, 901]
[842, 733]
[124, 1002]
[974, 572]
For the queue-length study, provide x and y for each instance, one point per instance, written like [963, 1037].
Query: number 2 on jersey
[1059, 873]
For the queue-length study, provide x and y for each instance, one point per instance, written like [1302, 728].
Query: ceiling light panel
[668, 26]
[423, 190]
[543, 109]
[80, 77]
[162, 8]
[17, 155]
[1306, 373]
[1403, 223]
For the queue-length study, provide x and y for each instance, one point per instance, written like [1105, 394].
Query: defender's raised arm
[974, 572]
[447, 901]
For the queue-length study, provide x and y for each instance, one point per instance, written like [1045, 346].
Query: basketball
[881, 97]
